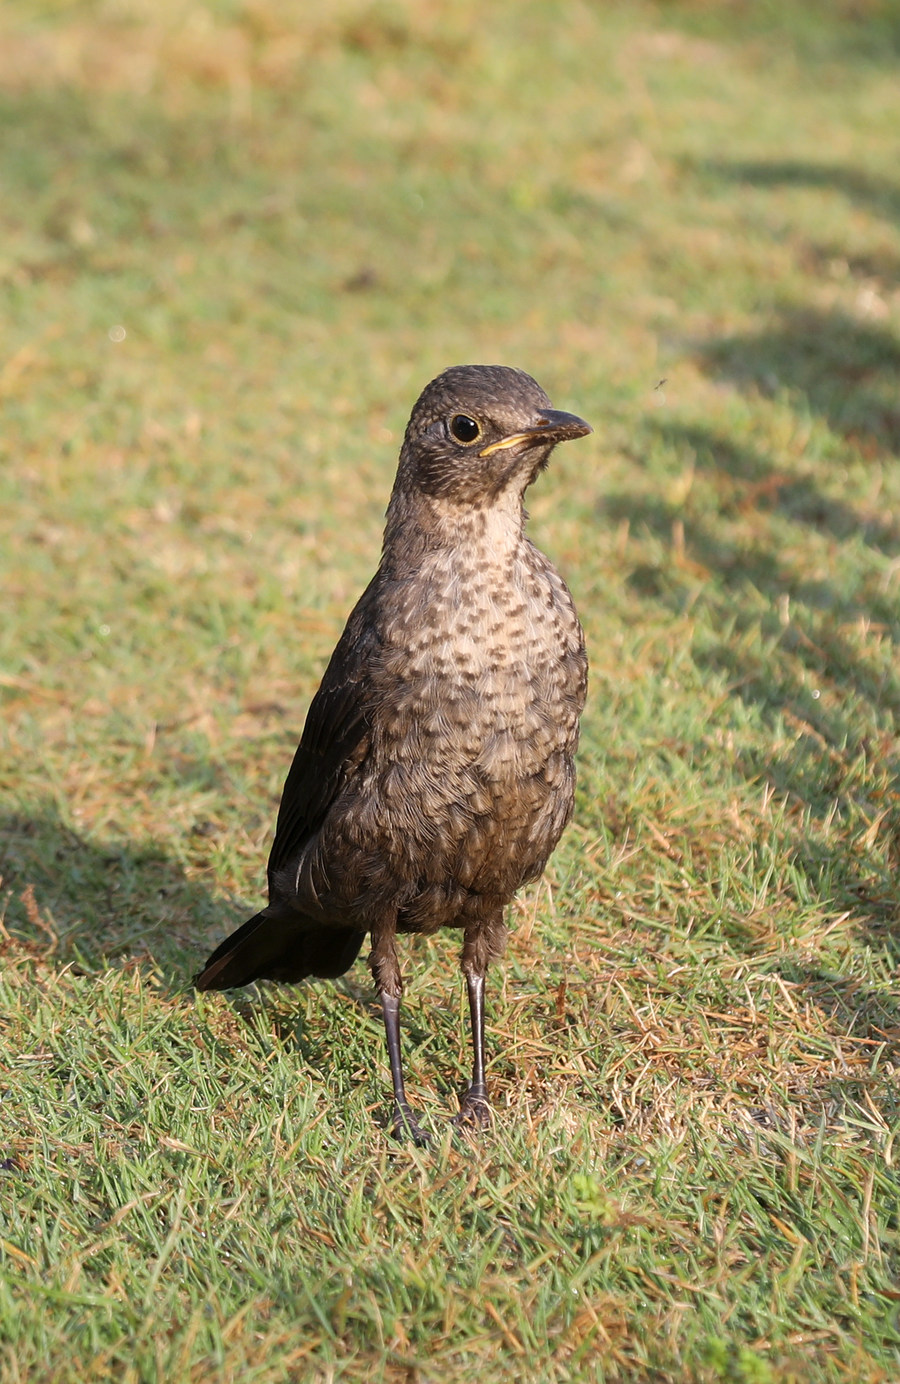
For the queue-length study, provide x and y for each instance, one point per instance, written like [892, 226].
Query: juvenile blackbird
[435, 772]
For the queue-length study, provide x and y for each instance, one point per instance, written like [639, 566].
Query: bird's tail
[271, 947]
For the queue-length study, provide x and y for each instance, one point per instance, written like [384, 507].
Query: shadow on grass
[88, 903]
[798, 656]
[841, 751]
[731, 556]
[91, 902]
[839, 366]
[746, 538]
[350, 999]
[876, 194]
[834, 365]
[858, 1009]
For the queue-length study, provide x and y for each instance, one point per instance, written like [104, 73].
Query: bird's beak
[554, 426]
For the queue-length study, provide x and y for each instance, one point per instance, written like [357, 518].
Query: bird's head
[480, 431]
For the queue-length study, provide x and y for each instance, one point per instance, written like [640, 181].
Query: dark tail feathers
[272, 947]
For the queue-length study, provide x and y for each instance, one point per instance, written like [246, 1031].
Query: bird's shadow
[319, 1018]
[312, 1033]
[87, 902]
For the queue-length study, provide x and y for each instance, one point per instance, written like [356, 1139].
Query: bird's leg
[386, 972]
[404, 1121]
[480, 946]
[475, 1106]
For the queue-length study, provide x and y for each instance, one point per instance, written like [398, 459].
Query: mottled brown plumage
[435, 772]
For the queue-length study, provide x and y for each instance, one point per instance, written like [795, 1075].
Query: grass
[236, 242]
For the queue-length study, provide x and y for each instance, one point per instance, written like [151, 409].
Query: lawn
[236, 242]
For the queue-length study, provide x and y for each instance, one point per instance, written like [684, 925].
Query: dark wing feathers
[335, 738]
[280, 943]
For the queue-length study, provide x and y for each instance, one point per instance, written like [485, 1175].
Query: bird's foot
[404, 1125]
[474, 1110]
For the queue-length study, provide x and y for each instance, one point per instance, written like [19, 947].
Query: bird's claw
[474, 1111]
[404, 1125]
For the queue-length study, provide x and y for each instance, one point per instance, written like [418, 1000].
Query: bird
[435, 772]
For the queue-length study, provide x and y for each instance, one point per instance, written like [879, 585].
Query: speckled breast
[478, 690]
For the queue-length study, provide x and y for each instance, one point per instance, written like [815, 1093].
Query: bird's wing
[334, 740]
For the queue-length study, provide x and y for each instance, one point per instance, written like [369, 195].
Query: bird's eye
[464, 428]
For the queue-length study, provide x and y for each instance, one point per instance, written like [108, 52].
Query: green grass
[695, 1035]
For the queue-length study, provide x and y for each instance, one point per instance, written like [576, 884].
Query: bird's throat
[420, 524]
